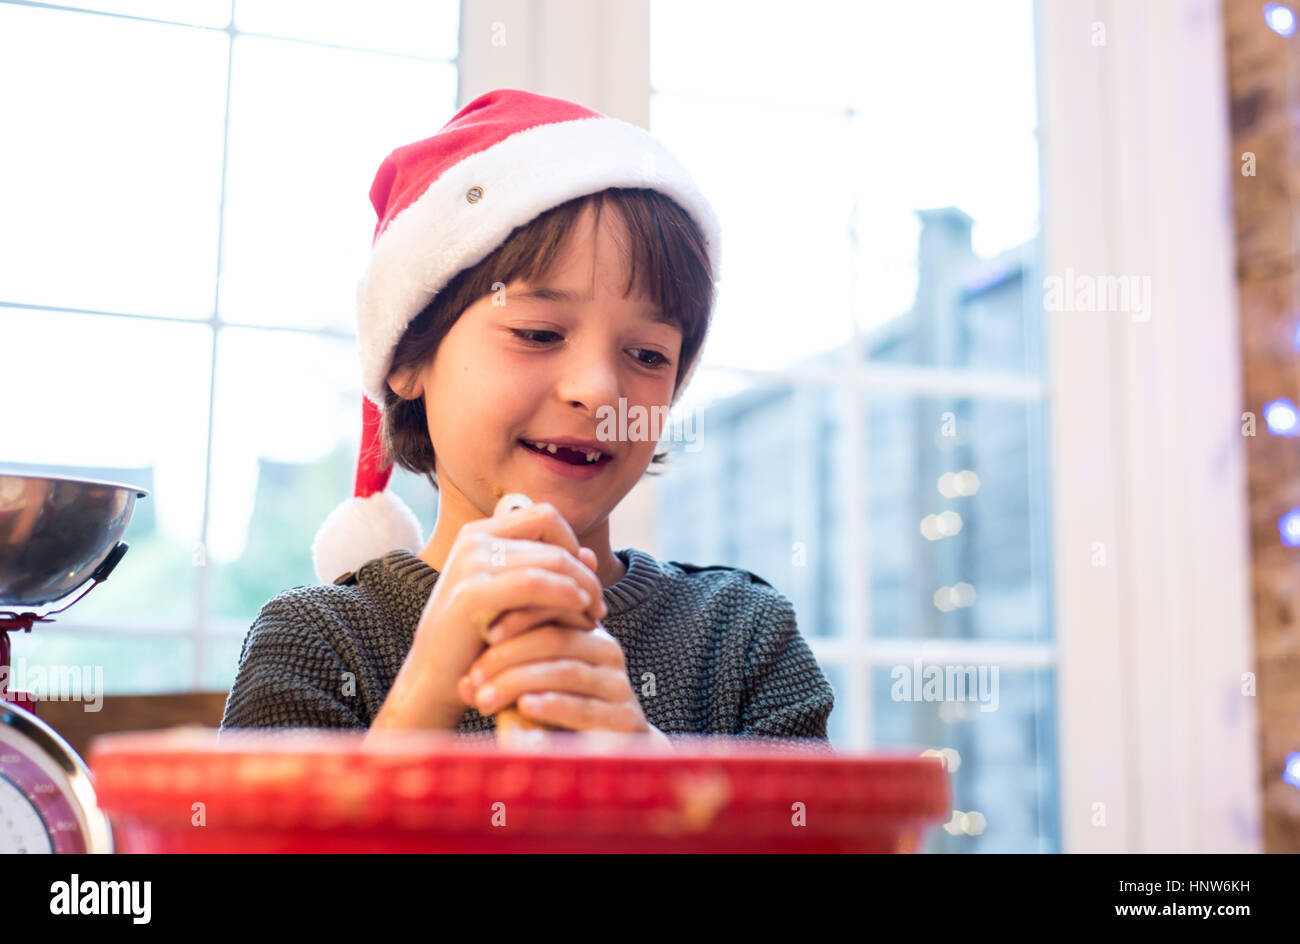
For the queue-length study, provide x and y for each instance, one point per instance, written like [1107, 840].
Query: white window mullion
[204, 602]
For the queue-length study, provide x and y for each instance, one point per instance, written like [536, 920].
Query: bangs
[663, 253]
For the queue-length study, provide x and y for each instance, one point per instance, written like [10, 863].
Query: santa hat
[444, 204]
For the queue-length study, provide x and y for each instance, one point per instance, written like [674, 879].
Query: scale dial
[47, 798]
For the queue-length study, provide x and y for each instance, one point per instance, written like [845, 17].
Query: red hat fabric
[444, 204]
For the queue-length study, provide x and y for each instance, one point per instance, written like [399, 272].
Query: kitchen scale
[56, 534]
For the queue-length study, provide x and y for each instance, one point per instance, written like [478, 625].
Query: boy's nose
[588, 380]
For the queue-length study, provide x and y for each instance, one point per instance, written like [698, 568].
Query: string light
[1282, 417]
[957, 484]
[1289, 526]
[941, 525]
[950, 598]
[1280, 19]
[973, 823]
[969, 824]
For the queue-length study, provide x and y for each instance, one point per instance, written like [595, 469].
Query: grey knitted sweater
[709, 650]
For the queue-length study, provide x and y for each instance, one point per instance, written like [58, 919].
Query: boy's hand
[525, 618]
[522, 559]
[570, 678]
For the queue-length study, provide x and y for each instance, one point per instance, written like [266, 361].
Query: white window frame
[1157, 745]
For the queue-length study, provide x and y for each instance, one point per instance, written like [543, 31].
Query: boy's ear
[399, 379]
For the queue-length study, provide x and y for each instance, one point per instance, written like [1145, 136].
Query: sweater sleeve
[785, 693]
[289, 674]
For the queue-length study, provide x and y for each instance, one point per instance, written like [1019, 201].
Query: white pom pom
[361, 529]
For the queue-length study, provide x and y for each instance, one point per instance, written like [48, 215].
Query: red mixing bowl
[295, 791]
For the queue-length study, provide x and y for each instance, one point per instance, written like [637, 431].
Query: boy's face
[489, 388]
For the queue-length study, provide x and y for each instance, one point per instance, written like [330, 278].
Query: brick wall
[1264, 96]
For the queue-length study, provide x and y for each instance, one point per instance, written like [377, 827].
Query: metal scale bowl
[56, 534]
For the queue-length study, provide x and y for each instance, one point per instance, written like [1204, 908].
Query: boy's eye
[657, 360]
[521, 332]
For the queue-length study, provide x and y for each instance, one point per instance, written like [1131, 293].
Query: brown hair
[667, 248]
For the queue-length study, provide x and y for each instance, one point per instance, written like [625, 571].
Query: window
[185, 218]
[871, 398]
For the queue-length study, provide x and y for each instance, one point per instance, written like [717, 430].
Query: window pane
[110, 183]
[967, 312]
[839, 117]
[769, 50]
[953, 84]
[125, 400]
[1006, 770]
[756, 480]
[785, 216]
[220, 661]
[309, 127]
[197, 12]
[416, 490]
[105, 663]
[837, 725]
[281, 461]
[415, 27]
[766, 488]
[285, 441]
[958, 518]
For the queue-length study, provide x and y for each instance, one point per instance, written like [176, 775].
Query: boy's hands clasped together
[513, 619]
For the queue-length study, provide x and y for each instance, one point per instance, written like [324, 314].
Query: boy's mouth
[577, 457]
